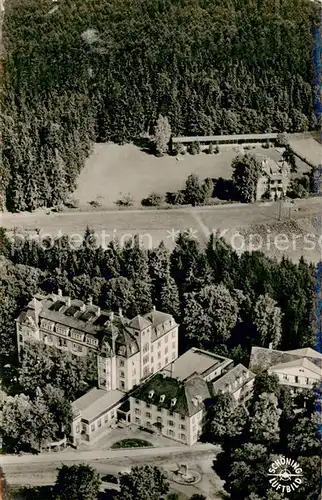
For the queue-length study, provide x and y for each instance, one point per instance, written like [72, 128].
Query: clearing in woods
[112, 169]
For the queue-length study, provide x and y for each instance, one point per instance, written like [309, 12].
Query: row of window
[170, 432]
[160, 410]
[181, 436]
[62, 330]
[171, 423]
[98, 423]
[297, 380]
[49, 339]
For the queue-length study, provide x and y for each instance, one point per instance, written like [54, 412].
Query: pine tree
[169, 297]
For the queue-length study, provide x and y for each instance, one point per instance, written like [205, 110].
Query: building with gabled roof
[298, 368]
[307, 352]
[297, 374]
[238, 382]
[94, 413]
[172, 407]
[275, 178]
[262, 358]
[127, 350]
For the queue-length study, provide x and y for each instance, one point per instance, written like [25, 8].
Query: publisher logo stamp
[285, 475]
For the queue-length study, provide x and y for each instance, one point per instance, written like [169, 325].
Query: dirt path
[154, 226]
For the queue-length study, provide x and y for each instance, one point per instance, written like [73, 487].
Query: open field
[307, 148]
[302, 232]
[113, 169]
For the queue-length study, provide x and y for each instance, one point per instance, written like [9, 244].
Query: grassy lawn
[113, 169]
[131, 443]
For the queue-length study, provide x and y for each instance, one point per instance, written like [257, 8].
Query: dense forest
[224, 302]
[82, 71]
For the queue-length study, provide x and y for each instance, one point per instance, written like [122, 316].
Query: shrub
[153, 200]
[210, 149]
[175, 198]
[94, 203]
[72, 203]
[299, 188]
[282, 139]
[125, 201]
[178, 149]
[194, 148]
[58, 208]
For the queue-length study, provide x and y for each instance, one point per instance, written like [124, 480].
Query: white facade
[298, 374]
[127, 351]
[183, 428]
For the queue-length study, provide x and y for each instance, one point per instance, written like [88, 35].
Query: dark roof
[262, 358]
[182, 394]
[139, 323]
[89, 319]
[157, 317]
[233, 376]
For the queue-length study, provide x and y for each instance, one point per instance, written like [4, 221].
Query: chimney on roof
[37, 308]
[153, 308]
[270, 346]
[162, 398]
[111, 316]
[60, 293]
[90, 301]
[120, 312]
[68, 302]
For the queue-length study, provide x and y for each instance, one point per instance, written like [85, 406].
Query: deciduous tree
[215, 304]
[264, 425]
[267, 317]
[143, 483]
[246, 172]
[77, 482]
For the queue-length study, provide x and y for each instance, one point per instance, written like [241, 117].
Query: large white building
[174, 401]
[127, 350]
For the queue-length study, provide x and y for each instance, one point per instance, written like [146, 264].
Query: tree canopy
[77, 482]
[107, 72]
[143, 483]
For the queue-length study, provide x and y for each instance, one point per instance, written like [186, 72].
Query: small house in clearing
[275, 178]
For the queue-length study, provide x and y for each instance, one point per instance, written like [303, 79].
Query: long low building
[94, 413]
[298, 368]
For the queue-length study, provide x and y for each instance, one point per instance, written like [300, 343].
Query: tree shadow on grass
[224, 189]
[145, 145]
